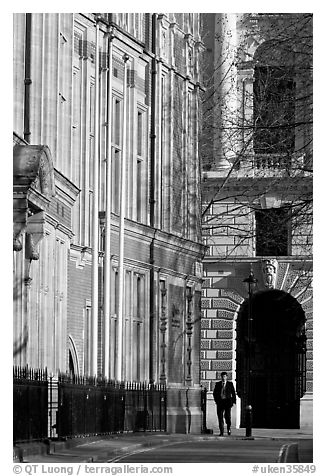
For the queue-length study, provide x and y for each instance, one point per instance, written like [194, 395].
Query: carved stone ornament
[17, 244]
[269, 268]
[30, 249]
[33, 168]
[33, 185]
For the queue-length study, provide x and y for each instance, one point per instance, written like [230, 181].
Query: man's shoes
[229, 431]
[221, 434]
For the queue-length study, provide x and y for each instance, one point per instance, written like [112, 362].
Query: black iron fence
[145, 407]
[30, 404]
[90, 406]
[72, 406]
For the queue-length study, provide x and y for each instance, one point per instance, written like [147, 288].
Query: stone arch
[296, 281]
[274, 53]
[224, 296]
[73, 355]
[270, 354]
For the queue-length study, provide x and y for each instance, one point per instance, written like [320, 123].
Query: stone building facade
[257, 215]
[106, 164]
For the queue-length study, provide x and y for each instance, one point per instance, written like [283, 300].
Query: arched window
[73, 363]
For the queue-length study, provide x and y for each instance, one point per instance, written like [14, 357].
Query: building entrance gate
[271, 361]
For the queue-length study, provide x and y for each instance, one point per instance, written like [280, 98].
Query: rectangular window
[116, 132]
[274, 110]
[116, 293]
[116, 156]
[90, 218]
[136, 351]
[272, 232]
[114, 304]
[125, 21]
[139, 25]
[102, 238]
[164, 125]
[91, 136]
[128, 299]
[139, 133]
[115, 180]
[139, 190]
[137, 323]
[87, 340]
[138, 296]
[76, 125]
[114, 345]
[140, 167]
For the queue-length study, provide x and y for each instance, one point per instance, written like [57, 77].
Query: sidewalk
[107, 447]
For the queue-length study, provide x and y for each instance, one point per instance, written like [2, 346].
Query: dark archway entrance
[277, 359]
[71, 364]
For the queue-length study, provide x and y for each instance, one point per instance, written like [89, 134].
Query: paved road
[220, 451]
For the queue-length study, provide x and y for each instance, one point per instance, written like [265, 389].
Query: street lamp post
[251, 282]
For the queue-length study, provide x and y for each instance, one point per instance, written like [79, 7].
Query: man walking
[224, 397]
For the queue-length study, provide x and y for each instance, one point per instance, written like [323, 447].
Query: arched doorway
[271, 364]
[73, 364]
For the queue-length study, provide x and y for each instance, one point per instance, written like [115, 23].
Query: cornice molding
[66, 189]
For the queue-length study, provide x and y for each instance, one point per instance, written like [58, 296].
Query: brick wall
[79, 290]
[219, 309]
[217, 332]
[60, 212]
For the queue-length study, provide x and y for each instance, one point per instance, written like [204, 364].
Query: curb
[289, 453]
[23, 451]
[29, 449]
[119, 447]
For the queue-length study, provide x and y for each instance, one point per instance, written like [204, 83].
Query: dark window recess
[118, 68]
[131, 78]
[104, 60]
[272, 232]
[77, 40]
[274, 111]
[87, 49]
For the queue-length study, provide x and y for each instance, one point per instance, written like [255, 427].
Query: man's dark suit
[224, 405]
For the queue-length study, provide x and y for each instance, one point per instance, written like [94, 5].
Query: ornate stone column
[163, 328]
[189, 331]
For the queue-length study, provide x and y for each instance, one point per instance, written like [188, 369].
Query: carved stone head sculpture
[270, 267]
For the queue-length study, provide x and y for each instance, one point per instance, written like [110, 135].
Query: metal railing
[30, 404]
[72, 406]
[90, 406]
[145, 407]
